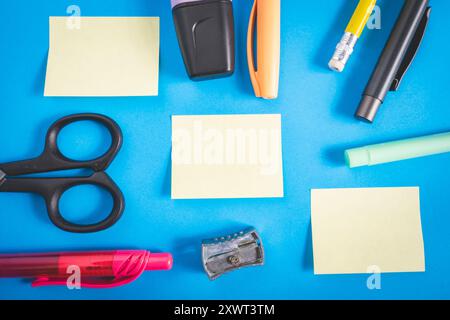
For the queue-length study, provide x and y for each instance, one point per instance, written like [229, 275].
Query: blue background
[317, 106]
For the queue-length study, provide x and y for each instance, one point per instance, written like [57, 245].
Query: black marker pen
[205, 30]
[396, 58]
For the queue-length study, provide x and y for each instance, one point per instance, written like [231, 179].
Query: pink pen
[100, 269]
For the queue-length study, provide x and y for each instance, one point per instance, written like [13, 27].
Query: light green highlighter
[398, 150]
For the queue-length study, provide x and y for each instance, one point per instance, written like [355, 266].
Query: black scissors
[51, 189]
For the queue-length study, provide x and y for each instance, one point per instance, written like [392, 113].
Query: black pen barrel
[391, 58]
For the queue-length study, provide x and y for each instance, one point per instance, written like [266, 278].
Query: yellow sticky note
[90, 56]
[373, 230]
[226, 156]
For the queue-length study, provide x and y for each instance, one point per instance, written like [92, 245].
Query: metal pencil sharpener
[232, 252]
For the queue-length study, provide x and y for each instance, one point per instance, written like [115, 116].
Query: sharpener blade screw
[234, 260]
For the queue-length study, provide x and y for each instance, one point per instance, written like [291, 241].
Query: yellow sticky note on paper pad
[226, 156]
[103, 56]
[373, 230]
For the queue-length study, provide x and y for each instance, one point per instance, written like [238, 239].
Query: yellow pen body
[360, 17]
[356, 26]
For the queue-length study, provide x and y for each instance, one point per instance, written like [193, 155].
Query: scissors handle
[51, 189]
[53, 160]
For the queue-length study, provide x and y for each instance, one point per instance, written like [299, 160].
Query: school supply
[103, 57]
[227, 156]
[352, 34]
[205, 30]
[397, 57]
[95, 270]
[225, 254]
[398, 150]
[51, 189]
[265, 20]
[368, 230]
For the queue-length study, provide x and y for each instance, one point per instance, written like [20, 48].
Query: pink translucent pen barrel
[91, 264]
[27, 266]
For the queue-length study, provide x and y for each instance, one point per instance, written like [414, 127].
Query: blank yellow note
[367, 230]
[103, 57]
[231, 156]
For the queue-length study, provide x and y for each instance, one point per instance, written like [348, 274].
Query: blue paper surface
[317, 109]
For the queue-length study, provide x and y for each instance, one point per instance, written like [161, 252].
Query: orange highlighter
[265, 17]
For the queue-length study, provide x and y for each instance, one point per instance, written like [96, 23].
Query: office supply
[104, 57]
[359, 230]
[226, 156]
[225, 254]
[205, 30]
[265, 18]
[398, 150]
[96, 269]
[51, 189]
[352, 34]
[397, 56]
